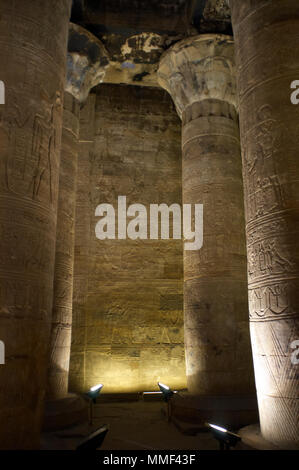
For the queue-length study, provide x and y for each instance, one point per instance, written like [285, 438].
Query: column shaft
[87, 61]
[33, 38]
[199, 74]
[64, 256]
[266, 33]
[218, 355]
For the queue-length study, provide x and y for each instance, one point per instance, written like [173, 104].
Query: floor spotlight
[167, 394]
[94, 392]
[92, 395]
[225, 438]
[94, 440]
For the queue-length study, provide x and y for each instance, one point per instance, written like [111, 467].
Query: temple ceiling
[136, 32]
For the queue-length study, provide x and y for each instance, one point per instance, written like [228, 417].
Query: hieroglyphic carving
[118, 305]
[4, 139]
[24, 299]
[33, 39]
[44, 144]
[269, 135]
[33, 257]
[26, 165]
[262, 182]
[199, 74]
[265, 258]
[86, 67]
[64, 257]
[14, 134]
[268, 301]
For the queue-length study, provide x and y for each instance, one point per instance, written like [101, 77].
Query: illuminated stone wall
[128, 295]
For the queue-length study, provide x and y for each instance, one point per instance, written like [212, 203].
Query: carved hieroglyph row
[267, 63]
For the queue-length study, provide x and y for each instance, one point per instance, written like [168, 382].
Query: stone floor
[132, 426]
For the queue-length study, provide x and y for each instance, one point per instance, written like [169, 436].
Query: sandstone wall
[128, 295]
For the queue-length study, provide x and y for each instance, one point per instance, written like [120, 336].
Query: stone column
[33, 38]
[87, 61]
[266, 34]
[64, 256]
[199, 74]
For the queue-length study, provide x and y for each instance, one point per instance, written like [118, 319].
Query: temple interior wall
[128, 294]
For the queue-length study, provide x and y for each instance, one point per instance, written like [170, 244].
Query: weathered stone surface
[215, 17]
[267, 61]
[135, 15]
[108, 16]
[199, 74]
[67, 412]
[136, 33]
[128, 319]
[33, 38]
[197, 69]
[87, 61]
[82, 245]
[64, 256]
[135, 59]
[86, 66]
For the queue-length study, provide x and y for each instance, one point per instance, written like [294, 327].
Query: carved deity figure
[262, 158]
[43, 148]
[13, 143]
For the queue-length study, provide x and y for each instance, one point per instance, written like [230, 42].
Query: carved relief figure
[14, 125]
[44, 143]
[265, 193]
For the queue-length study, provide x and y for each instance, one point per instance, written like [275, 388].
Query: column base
[65, 412]
[190, 412]
[252, 437]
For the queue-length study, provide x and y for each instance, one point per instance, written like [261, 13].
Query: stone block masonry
[128, 294]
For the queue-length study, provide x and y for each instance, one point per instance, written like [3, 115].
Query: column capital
[199, 68]
[87, 61]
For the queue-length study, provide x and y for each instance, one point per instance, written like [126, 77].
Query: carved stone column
[266, 34]
[33, 37]
[86, 64]
[199, 74]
